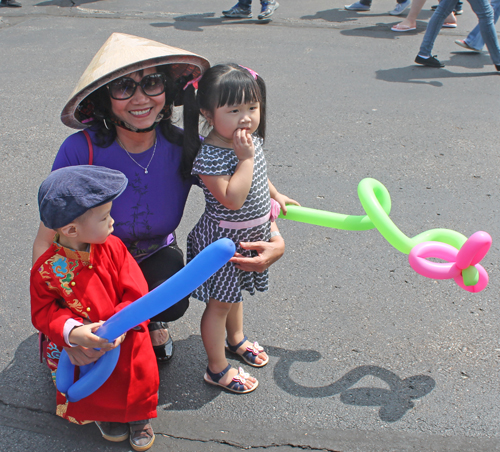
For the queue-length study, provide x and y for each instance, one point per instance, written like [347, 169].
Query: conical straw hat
[122, 54]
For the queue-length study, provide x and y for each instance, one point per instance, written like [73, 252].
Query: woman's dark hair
[99, 105]
[223, 84]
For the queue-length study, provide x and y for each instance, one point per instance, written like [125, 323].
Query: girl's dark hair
[223, 84]
[99, 104]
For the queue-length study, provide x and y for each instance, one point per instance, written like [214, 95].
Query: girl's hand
[283, 200]
[232, 191]
[243, 144]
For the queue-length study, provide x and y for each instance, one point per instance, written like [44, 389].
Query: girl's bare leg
[213, 332]
[234, 328]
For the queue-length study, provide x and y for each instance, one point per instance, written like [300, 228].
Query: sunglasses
[124, 88]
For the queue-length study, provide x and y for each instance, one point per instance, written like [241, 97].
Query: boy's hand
[243, 144]
[81, 356]
[84, 336]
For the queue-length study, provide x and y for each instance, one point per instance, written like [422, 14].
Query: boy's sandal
[163, 352]
[237, 384]
[142, 435]
[249, 354]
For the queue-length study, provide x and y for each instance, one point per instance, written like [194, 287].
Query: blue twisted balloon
[180, 285]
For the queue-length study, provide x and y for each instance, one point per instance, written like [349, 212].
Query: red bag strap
[91, 148]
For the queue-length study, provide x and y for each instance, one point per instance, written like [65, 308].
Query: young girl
[232, 171]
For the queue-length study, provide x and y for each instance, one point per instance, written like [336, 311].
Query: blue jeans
[475, 40]
[247, 4]
[484, 13]
[369, 2]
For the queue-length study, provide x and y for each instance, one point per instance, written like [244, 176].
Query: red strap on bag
[91, 148]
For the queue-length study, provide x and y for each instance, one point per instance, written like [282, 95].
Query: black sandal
[237, 384]
[163, 352]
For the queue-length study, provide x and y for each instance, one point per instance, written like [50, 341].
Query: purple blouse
[147, 213]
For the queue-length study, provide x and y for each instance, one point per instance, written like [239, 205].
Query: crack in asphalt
[21, 407]
[242, 447]
[229, 443]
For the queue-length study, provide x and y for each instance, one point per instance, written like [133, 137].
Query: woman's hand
[267, 254]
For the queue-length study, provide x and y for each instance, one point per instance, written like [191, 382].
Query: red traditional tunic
[67, 284]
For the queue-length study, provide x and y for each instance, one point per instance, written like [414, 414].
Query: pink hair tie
[254, 74]
[193, 82]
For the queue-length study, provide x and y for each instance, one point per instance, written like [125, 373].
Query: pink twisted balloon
[464, 260]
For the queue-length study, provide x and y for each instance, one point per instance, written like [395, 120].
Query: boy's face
[96, 225]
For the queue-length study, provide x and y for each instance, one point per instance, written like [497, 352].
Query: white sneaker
[357, 6]
[400, 7]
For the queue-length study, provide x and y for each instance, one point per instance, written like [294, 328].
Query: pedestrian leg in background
[361, 5]
[242, 10]
[267, 9]
[474, 41]
[10, 4]
[364, 5]
[484, 13]
[433, 27]
[400, 7]
[410, 23]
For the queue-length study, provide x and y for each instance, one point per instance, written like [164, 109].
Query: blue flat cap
[69, 192]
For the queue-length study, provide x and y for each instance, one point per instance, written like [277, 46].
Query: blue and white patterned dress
[226, 284]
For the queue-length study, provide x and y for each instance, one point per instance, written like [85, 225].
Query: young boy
[85, 277]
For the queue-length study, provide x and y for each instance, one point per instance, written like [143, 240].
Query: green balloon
[376, 202]
[470, 275]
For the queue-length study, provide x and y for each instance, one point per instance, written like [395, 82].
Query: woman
[125, 98]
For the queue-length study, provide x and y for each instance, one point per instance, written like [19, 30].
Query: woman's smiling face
[140, 111]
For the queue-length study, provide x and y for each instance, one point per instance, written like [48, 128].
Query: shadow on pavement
[181, 387]
[381, 30]
[340, 15]
[28, 404]
[196, 22]
[26, 382]
[432, 76]
[66, 3]
[25, 375]
[394, 402]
